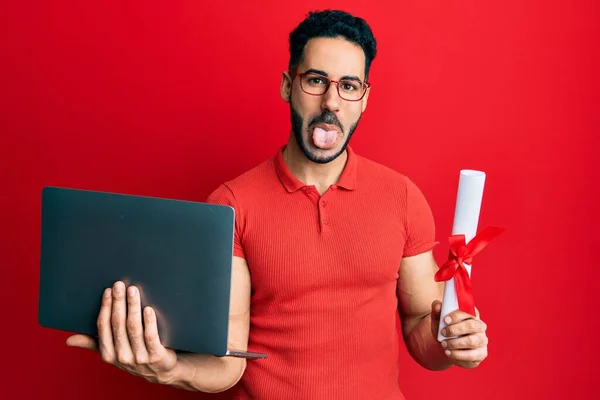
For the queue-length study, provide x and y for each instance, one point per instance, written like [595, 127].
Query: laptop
[178, 253]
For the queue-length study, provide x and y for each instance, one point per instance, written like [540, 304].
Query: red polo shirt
[324, 272]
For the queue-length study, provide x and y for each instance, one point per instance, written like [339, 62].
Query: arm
[215, 374]
[125, 344]
[419, 305]
[419, 300]
[416, 291]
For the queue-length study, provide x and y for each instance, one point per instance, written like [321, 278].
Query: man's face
[323, 125]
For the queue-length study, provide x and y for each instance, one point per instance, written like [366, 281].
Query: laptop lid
[178, 253]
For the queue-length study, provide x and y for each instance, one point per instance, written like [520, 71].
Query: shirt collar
[291, 183]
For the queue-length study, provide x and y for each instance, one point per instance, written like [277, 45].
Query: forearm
[424, 348]
[204, 373]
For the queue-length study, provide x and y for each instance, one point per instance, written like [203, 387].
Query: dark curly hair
[331, 24]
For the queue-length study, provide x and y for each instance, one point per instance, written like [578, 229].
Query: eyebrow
[323, 73]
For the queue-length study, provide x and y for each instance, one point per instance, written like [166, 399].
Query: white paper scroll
[466, 218]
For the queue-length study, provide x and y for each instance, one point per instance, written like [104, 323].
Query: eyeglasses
[317, 85]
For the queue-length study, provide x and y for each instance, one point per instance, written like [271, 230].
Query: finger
[153, 345]
[467, 342]
[118, 322]
[477, 315]
[135, 329]
[83, 341]
[457, 316]
[474, 356]
[105, 336]
[466, 327]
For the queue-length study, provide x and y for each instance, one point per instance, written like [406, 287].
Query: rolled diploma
[466, 218]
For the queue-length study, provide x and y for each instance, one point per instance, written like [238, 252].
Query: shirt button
[325, 221]
[323, 203]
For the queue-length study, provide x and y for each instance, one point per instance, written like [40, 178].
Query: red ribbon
[460, 254]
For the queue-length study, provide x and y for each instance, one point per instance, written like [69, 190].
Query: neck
[320, 175]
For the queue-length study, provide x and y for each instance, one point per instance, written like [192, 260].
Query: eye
[350, 86]
[316, 80]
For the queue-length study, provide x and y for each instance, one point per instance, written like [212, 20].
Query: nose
[331, 99]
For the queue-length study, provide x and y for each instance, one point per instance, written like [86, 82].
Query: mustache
[327, 118]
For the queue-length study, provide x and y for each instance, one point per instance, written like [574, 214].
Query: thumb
[436, 310]
[83, 341]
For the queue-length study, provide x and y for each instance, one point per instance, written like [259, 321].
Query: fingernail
[448, 319]
[107, 292]
[118, 287]
[444, 344]
[132, 291]
[447, 352]
[148, 311]
[445, 332]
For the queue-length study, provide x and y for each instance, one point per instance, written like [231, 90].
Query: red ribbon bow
[460, 254]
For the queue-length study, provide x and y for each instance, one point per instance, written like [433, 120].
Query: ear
[286, 87]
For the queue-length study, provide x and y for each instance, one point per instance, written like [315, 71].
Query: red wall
[172, 99]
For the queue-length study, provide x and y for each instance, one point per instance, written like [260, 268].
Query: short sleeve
[224, 196]
[419, 222]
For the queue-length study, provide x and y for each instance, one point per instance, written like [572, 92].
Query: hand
[469, 348]
[123, 341]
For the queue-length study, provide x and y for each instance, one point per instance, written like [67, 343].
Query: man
[329, 249]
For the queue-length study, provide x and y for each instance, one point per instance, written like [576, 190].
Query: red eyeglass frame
[337, 85]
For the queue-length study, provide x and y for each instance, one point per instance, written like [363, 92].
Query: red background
[172, 99]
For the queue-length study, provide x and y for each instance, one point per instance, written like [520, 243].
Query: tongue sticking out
[324, 139]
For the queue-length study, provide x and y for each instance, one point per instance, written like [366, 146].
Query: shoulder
[381, 178]
[243, 185]
[380, 174]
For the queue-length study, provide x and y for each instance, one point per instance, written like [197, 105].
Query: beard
[327, 117]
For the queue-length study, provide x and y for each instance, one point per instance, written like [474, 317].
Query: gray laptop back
[178, 253]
